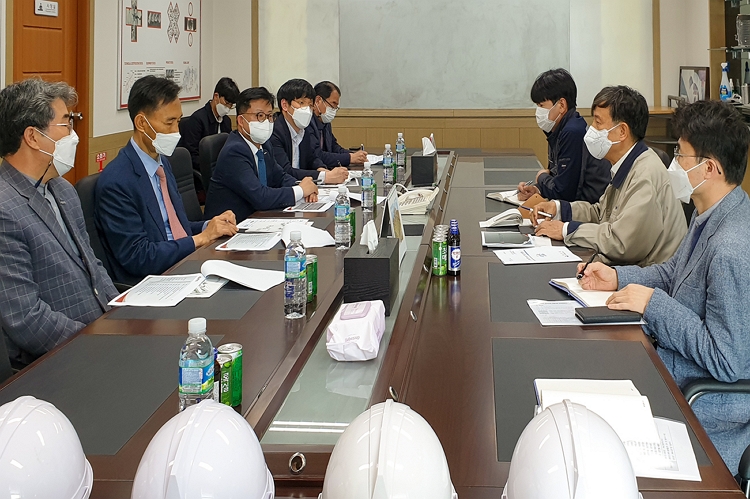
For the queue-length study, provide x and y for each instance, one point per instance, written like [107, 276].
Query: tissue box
[423, 170]
[374, 276]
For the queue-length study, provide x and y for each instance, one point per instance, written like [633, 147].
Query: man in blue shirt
[695, 303]
[138, 208]
[572, 174]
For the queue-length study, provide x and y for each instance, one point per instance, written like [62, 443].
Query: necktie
[178, 232]
[261, 168]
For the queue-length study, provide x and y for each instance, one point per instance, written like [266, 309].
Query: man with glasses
[295, 146]
[637, 220]
[695, 304]
[325, 106]
[51, 284]
[247, 178]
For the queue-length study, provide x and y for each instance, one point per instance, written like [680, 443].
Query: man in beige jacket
[637, 220]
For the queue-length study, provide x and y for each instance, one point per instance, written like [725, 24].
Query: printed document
[305, 207]
[251, 242]
[268, 224]
[563, 313]
[260, 279]
[159, 291]
[209, 287]
[672, 458]
[549, 254]
[312, 237]
[357, 196]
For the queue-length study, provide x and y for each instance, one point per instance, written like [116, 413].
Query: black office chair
[6, 371]
[208, 150]
[85, 189]
[696, 389]
[687, 208]
[182, 167]
[663, 156]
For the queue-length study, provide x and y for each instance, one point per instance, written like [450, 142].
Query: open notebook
[585, 297]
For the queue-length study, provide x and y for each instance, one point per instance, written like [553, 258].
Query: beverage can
[235, 351]
[224, 370]
[312, 277]
[439, 255]
[353, 224]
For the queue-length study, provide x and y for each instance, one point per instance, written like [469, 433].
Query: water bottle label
[197, 380]
[387, 161]
[366, 182]
[454, 258]
[341, 212]
[294, 268]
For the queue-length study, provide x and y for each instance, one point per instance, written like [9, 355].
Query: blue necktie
[262, 168]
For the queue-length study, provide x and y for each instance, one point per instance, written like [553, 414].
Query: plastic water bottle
[400, 159]
[196, 381]
[341, 212]
[295, 270]
[368, 189]
[388, 165]
[725, 93]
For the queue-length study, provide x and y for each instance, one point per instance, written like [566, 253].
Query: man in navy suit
[295, 146]
[138, 209]
[247, 178]
[326, 104]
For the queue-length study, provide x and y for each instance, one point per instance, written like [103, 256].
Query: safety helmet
[40, 453]
[207, 450]
[388, 451]
[569, 452]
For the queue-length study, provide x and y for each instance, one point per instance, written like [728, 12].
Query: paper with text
[259, 279]
[563, 313]
[549, 254]
[268, 224]
[251, 242]
[159, 291]
[672, 458]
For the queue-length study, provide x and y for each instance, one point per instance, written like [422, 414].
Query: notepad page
[587, 298]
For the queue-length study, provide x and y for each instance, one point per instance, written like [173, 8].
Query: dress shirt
[298, 192]
[42, 189]
[296, 141]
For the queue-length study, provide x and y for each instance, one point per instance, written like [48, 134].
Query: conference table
[461, 351]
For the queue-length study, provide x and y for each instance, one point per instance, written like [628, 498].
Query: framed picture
[694, 83]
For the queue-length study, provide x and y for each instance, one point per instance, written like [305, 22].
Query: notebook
[585, 297]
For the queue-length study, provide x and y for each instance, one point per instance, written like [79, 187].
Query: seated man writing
[637, 220]
[695, 304]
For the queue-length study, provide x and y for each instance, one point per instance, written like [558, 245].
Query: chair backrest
[85, 189]
[663, 156]
[182, 167]
[208, 150]
[6, 371]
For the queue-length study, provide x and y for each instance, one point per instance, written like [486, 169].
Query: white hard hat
[388, 451]
[569, 452]
[208, 450]
[40, 453]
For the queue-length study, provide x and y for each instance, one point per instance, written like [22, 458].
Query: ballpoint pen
[580, 274]
[530, 182]
[541, 212]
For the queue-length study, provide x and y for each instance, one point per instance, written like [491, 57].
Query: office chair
[6, 371]
[696, 389]
[687, 208]
[663, 156]
[182, 168]
[85, 189]
[208, 150]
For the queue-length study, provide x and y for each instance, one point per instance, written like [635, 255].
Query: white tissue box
[355, 332]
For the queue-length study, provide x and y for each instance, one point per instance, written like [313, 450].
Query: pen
[580, 274]
[361, 147]
[530, 182]
[541, 212]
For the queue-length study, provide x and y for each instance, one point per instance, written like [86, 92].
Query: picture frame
[694, 83]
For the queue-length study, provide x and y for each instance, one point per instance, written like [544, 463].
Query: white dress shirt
[296, 141]
[298, 192]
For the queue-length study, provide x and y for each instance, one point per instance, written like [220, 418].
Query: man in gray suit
[51, 284]
[696, 303]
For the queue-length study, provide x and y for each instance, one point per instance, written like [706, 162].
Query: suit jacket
[637, 220]
[331, 152]
[235, 184]
[699, 317]
[309, 158]
[201, 123]
[47, 293]
[568, 167]
[129, 219]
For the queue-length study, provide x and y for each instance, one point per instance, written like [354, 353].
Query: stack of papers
[585, 297]
[312, 237]
[268, 224]
[251, 242]
[506, 197]
[305, 207]
[563, 313]
[549, 254]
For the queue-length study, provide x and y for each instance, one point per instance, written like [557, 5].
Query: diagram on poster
[160, 38]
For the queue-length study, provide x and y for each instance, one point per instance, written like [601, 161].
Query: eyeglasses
[329, 105]
[261, 116]
[678, 154]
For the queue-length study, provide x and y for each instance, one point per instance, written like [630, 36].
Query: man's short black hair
[150, 93]
[250, 94]
[296, 89]
[554, 85]
[326, 88]
[626, 105]
[227, 88]
[716, 130]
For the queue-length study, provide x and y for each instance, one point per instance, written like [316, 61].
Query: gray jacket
[700, 317]
[47, 293]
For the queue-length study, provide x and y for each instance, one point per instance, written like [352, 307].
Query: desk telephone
[417, 201]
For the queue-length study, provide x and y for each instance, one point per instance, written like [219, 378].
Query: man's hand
[358, 157]
[633, 297]
[219, 226]
[312, 198]
[550, 228]
[548, 207]
[526, 191]
[598, 276]
[308, 187]
[337, 176]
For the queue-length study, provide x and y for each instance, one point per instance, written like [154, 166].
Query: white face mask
[259, 131]
[64, 155]
[678, 178]
[222, 110]
[329, 115]
[542, 118]
[302, 116]
[164, 143]
[597, 141]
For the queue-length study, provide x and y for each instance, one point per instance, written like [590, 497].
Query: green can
[312, 277]
[225, 378]
[439, 255]
[235, 351]
[353, 224]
